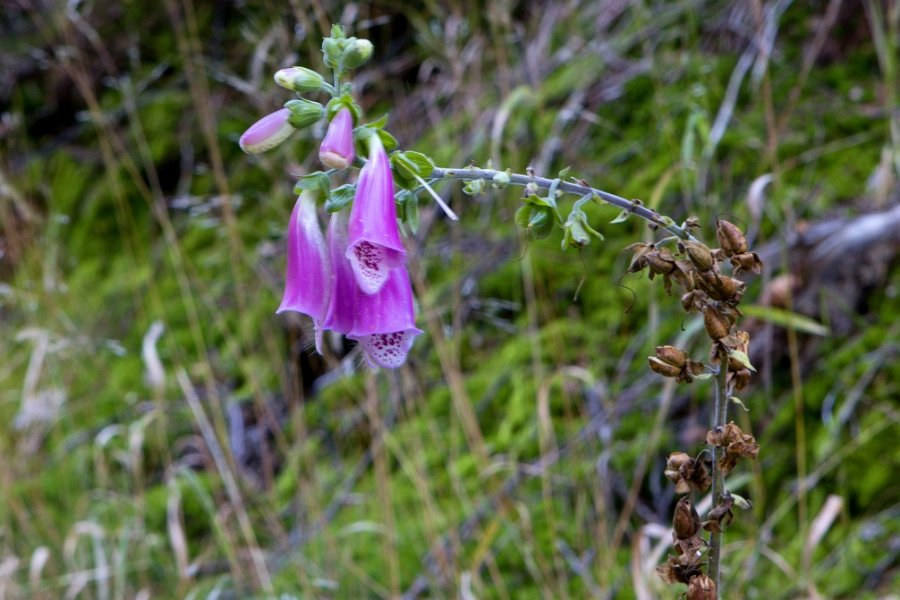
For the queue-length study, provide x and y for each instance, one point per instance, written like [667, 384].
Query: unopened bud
[671, 355]
[267, 133]
[356, 53]
[299, 79]
[303, 112]
[730, 237]
[663, 368]
[699, 255]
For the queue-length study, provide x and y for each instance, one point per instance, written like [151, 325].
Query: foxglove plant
[357, 284]
[267, 133]
[375, 247]
[336, 151]
[307, 287]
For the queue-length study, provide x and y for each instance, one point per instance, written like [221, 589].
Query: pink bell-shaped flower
[267, 133]
[385, 324]
[342, 309]
[375, 246]
[336, 151]
[308, 278]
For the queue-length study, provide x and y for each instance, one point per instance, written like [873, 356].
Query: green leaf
[340, 198]
[378, 123]
[564, 173]
[314, 182]
[786, 319]
[523, 215]
[409, 164]
[742, 358]
[540, 224]
[623, 216]
[388, 141]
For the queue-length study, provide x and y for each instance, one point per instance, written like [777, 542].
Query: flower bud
[267, 133]
[356, 53]
[303, 112]
[336, 151]
[730, 237]
[299, 79]
[699, 255]
[671, 355]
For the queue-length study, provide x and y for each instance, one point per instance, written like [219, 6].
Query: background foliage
[228, 459]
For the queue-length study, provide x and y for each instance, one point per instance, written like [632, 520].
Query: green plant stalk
[719, 417]
[632, 206]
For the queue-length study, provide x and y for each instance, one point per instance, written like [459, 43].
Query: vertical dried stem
[719, 417]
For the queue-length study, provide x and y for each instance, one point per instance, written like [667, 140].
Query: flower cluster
[356, 284]
[352, 280]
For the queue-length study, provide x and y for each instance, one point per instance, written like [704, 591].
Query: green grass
[119, 213]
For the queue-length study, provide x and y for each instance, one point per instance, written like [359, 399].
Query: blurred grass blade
[786, 319]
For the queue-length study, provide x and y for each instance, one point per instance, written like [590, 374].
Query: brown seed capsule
[716, 325]
[730, 237]
[686, 521]
[663, 368]
[699, 255]
[671, 355]
[674, 465]
[661, 261]
[740, 378]
[702, 587]
[746, 262]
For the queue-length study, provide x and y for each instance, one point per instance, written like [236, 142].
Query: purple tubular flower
[267, 133]
[375, 246]
[385, 324]
[336, 151]
[308, 279]
[341, 314]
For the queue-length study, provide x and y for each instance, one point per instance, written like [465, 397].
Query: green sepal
[343, 101]
[340, 197]
[303, 112]
[318, 182]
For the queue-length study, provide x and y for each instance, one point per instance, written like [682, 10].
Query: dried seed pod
[674, 464]
[740, 378]
[679, 569]
[730, 237]
[701, 587]
[686, 521]
[746, 262]
[661, 262]
[699, 255]
[672, 355]
[663, 368]
[722, 287]
[716, 325]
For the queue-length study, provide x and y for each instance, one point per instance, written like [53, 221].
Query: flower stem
[632, 206]
[719, 417]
